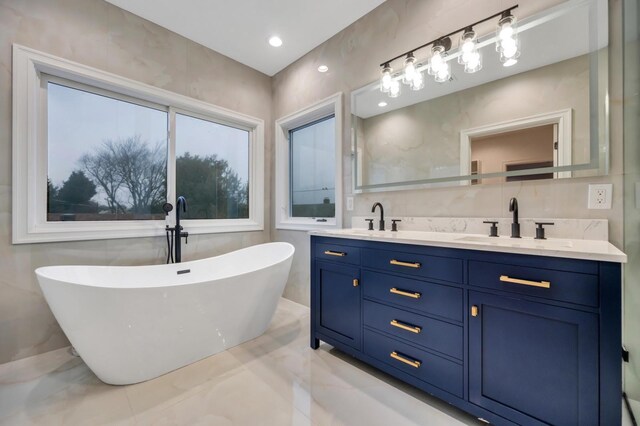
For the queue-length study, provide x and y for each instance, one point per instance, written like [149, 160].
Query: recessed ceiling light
[382, 104]
[275, 41]
[323, 68]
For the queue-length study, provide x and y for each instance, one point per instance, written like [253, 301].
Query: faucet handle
[540, 229]
[370, 228]
[493, 231]
[394, 226]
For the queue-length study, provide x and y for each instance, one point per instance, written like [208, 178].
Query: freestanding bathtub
[133, 323]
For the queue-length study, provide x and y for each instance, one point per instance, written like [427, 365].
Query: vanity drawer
[437, 371]
[441, 268]
[338, 253]
[428, 332]
[563, 286]
[434, 299]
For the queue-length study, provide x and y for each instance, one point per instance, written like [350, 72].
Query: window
[308, 167]
[212, 170]
[96, 156]
[313, 169]
[107, 157]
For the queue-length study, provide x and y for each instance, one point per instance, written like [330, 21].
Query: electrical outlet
[600, 196]
[349, 204]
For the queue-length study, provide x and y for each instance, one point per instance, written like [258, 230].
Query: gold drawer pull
[411, 362]
[334, 253]
[407, 264]
[411, 328]
[405, 293]
[474, 311]
[356, 283]
[507, 279]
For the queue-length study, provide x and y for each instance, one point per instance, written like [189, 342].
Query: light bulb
[444, 73]
[394, 89]
[275, 41]
[474, 63]
[385, 82]
[506, 31]
[418, 81]
[467, 46]
[437, 62]
[510, 52]
[409, 69]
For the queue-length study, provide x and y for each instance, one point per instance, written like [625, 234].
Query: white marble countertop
[554, 247]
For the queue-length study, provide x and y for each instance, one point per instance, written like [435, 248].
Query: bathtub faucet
[181, 206]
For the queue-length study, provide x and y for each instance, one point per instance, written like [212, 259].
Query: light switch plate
[349, 204]
[600, 196]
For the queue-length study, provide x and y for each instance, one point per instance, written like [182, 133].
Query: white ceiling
[240, 29]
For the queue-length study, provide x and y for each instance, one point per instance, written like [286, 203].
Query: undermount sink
[515, 242]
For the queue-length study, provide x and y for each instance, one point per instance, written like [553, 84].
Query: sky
[79, 122]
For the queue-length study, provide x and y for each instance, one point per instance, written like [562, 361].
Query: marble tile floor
[275, 379]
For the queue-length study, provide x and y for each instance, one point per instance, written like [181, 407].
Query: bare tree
[129, 169]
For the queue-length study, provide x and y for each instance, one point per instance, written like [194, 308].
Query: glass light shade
[418, 81]
[510, 52]
[467, 46]
[385, 81]
[437, 61]
[409, 69]
[473, 63]
[394, 89]
[507, 30]
[509, 48]
[444, 73]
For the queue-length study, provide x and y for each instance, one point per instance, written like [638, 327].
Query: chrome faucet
[373, 209]
[182, 202]
[515, 226]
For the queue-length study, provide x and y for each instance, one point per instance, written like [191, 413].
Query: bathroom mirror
[543, 118]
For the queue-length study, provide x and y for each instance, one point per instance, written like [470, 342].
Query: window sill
[306, 226]
[86, 231]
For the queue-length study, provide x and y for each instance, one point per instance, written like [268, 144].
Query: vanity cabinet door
[533, 363]
[337, 296]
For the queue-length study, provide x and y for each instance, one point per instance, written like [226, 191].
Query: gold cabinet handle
[507, 279]
[404, 293]
[412, 362]
[407, 264]
[334, 253]
[356, 283]
[474, 311]
[411, 328]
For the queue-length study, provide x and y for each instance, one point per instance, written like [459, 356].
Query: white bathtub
[133, 323]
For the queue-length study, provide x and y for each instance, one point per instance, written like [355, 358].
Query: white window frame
[321, 109]
[30, 160]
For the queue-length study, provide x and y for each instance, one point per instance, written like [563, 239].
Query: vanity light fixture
[275, 41]
[507, 45]
[469, 55]
[385, 83]
[438, 66]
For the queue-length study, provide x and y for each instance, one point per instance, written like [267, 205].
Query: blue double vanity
[525, 333]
